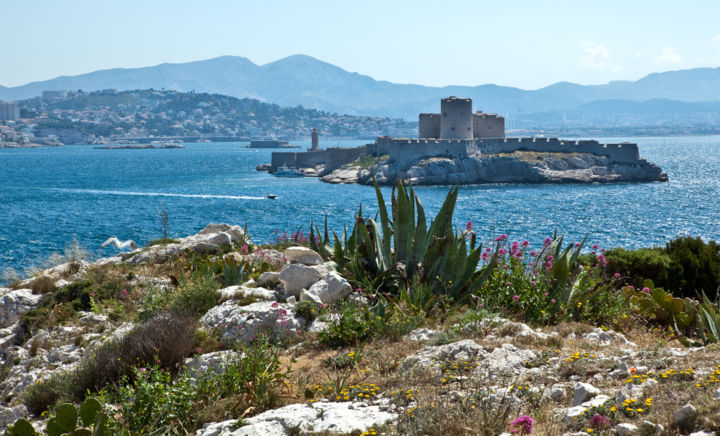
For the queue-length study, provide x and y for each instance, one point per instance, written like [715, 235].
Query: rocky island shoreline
[516, 167]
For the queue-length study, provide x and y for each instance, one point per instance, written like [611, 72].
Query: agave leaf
[380, 259]
[443, 221]
[402, 225]
[420, 238]
[384, 220]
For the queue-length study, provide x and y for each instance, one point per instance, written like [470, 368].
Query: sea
[50, 197]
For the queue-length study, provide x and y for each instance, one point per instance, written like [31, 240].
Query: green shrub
[695, 267]
[152, 401]
[155, 403]
[197, 297]
[309, 310]
[636, 266]
[356, 323]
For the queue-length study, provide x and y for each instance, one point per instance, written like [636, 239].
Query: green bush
[686, 266]
[152, 401]
[356, 323]
[636, 266]
[197, 297]
[695, 267]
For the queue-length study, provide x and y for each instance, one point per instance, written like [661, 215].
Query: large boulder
[505, 360]
[239, 292]
[14, 303]
[330, 289]
[207, 240]
[296, 277]
[236, 322]
[322, 417]
[303, 255]
[583, 392]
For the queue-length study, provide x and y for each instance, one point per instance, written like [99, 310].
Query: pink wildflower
[469, 226]
[515, 297]
[617, 275]
[522, 425]
[501, 238]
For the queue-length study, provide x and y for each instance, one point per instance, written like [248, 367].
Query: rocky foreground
[445, 377]
[517, 167]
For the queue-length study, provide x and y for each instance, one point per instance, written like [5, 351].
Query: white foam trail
[160, 194]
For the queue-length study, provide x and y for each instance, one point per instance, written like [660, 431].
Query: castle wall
[337, 157]
[429, 126]
[488, 126]
[333, 158]
[283, 158]
[624, 152]
[456, 118]
[406, 151]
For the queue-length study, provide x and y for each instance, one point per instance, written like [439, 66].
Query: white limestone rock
[303, 255]
[244, 323]
[330, 289]
[504, 360]
[422, 334]
[296, 277]
[325, 417]
[15, 303]
[207, 240]
[268, 279]
[626, 429]
[578, 410]
[582, 392]
[432, 355]
[215, 362]
[241, 291]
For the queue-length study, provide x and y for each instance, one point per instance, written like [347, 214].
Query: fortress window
[453, 128]
[444, 114]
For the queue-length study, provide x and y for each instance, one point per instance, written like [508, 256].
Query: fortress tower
[456, 121]
[456, 118]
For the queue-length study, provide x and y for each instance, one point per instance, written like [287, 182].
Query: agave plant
[387, 256]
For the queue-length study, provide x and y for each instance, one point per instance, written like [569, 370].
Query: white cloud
[668, 55]
[594, 55]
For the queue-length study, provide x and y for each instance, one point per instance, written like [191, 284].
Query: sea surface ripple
[50, 196]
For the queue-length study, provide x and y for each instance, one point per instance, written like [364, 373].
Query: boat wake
[159, 194]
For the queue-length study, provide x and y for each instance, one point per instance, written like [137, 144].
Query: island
[139, 147]
[458, 146]
[270, 143]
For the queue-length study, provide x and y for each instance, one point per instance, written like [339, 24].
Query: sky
[524, 43]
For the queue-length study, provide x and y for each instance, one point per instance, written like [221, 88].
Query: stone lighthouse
[315, 141]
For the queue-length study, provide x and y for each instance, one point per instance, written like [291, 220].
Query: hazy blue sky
[529, 43]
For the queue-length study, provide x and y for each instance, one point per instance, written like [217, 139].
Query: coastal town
[110, 116]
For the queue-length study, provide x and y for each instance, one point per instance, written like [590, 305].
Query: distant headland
[459, 146]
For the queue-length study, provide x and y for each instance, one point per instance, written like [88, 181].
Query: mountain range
[312, 83]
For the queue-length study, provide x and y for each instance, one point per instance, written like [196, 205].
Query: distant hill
[110, 116]
[303, 80]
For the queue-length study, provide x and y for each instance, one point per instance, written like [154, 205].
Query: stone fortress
[455, 133]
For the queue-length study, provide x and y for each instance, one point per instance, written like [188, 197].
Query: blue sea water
[50, 196]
